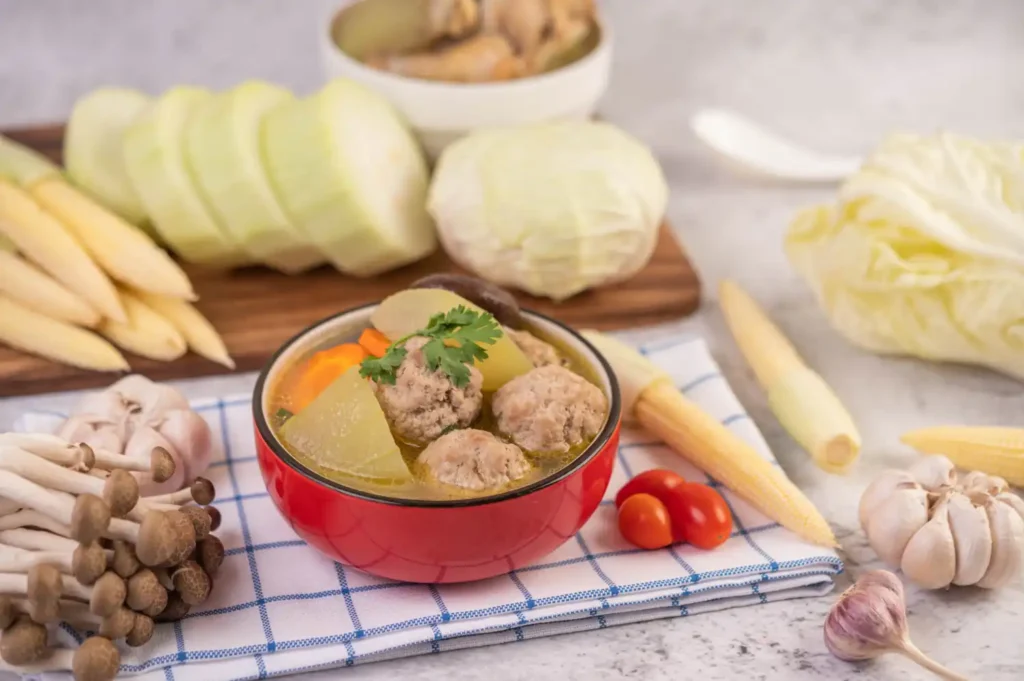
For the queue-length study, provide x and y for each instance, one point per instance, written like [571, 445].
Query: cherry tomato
[699, 515]
[644, 522]
[657, 482]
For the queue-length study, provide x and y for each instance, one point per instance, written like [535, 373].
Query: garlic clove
[972, 538]
[1012, 500]
[190, 435]
[893, 522]
[1007, 545]
[95, 431]
[976, 481]
[933, 472]
[141, 445]
[152, 400]
[105, 404]
[929, 558]
[878, 491]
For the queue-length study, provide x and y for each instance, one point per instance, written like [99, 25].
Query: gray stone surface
[835, 76]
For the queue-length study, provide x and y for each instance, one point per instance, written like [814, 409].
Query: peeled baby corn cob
[146, 333]
[125, 252]
[43, 239]
[996, 451]
[200, 335]
[27, 330]
[23, 165]
[799, 397]
[648, 394]
[22, 282]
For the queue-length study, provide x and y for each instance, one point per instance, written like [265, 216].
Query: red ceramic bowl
[433, 541]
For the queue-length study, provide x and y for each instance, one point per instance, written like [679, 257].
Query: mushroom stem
[114, 626]
[160, 464]
[144, 507]
[30, 518]
[96, 659]
[87, 516]
[200, 491]
[104, 597]
[37, 540]
[52, 448]
[86, 562]
[120, 490]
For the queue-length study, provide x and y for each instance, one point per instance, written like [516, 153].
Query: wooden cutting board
[256, 309]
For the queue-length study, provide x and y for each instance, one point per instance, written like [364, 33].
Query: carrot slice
[374, 342]
[322, 369]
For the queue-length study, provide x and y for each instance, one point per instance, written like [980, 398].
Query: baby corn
[146, 333]
[996, 451]
[22, 282]
[27, 330]
[649, 395]
[799, 397]
[121, 249]
[198, 332]
[43, 239]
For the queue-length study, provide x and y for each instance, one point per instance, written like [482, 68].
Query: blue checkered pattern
[278, 607]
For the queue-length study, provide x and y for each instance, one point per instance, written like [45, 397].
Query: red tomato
[644, 522]
[699, 515]
[657, 482]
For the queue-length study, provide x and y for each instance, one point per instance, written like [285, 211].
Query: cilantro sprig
[456, 339]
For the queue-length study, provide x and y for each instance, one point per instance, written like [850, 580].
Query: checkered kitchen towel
[279, 607]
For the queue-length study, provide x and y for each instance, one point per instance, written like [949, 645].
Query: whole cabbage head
[923, 254]
[551, 209]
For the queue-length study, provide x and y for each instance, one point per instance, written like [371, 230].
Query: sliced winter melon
[155, 161]
[409, 311]
[344, 429]
[93, 148]
[350, 174]
[222, 148]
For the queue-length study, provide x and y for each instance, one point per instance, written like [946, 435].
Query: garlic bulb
[133, 416]
[942, 529]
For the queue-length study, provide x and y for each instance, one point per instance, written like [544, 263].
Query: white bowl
[440, 113]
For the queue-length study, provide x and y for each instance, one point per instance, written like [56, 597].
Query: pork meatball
[422, 403]
[549, 409]
[473, 459]
[539, 352]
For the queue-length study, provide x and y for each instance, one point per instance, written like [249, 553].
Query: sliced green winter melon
[155, 161]
[351, 175]
[222, 148]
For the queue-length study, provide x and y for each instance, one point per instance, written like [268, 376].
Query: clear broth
[421, 487]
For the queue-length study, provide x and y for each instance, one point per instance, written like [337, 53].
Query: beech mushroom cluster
[80, 544]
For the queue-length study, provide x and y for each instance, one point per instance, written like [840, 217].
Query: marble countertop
[835, 76]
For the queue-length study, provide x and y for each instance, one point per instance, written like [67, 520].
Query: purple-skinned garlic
[870, 620]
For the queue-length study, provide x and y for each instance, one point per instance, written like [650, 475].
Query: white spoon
[743, 140]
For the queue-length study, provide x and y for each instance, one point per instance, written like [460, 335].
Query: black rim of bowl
[611, 424]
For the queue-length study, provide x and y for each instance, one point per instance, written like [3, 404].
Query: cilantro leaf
[456, 339]
[383, 369]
